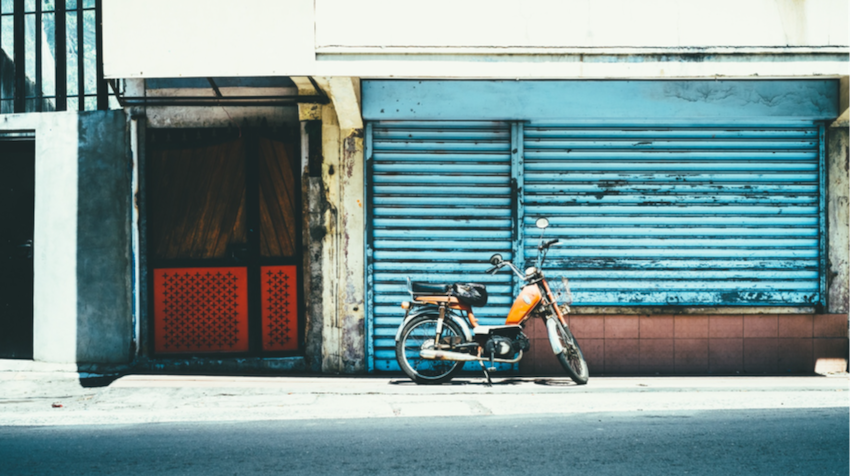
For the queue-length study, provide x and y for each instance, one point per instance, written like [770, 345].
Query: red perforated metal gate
[201, 310]
[280, 307]
[223, 217]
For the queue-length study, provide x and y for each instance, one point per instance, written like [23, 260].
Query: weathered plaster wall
[314, 230]
[331, 262]
[343, 265]
[838, 214]
[838, 209]
[81, 240]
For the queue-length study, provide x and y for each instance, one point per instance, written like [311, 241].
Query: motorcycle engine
[505, 347]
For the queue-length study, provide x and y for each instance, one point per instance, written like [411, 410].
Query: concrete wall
[81, 239]
[104, 296]
[476, 38]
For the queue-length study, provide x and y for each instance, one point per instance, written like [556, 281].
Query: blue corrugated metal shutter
[439, 203]
[694, 216]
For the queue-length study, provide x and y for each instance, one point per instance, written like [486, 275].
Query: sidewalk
[58, 396]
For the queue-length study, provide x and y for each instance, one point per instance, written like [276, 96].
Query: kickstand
[486, 373]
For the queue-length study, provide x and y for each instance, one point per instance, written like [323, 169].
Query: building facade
[268, 179]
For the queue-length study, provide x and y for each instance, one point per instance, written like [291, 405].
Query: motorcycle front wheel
[419, 334]
[571, 358]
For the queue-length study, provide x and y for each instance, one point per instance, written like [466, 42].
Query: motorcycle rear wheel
[419, 334]
[571, 358]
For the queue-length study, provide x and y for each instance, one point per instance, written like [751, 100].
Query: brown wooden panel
[196, 201]
[278, 211]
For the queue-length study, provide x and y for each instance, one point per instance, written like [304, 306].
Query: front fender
[467, 334]
[554, 337]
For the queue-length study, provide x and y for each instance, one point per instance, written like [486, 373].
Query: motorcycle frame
[443, 305]
[446, 304]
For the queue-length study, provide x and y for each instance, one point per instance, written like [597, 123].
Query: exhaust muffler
[430, 354]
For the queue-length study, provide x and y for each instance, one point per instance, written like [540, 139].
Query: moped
[434, 341]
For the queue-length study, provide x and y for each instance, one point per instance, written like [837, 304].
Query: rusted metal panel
[439, 204]
[685, 216]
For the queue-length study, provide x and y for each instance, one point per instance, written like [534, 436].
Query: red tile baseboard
[770, 344]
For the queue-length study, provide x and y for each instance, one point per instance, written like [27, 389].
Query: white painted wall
[476, 38]
[580, 23]
[81, 296]
[55, 232]
[168, 38]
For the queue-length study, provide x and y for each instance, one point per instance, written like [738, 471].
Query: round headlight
[530, 271]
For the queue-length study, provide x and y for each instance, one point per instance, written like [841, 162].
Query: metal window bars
[62, 37]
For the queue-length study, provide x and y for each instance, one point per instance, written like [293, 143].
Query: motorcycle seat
[428, 288]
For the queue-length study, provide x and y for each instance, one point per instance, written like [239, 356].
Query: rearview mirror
[496, 259]
[542, 223]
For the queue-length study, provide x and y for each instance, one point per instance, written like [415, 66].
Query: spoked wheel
[419, 334]
[571, 358]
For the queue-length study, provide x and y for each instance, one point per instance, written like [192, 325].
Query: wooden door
[224, 218]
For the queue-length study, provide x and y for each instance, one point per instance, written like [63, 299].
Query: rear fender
[467, 334]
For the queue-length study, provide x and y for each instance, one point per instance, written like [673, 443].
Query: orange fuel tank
[525, 302]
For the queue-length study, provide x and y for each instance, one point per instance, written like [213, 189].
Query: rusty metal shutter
[439, 204]
[696, 215]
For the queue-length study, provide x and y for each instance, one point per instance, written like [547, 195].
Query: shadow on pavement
[99, 381]
[497, 382]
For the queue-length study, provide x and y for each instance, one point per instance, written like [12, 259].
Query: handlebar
[503, 264]
[548, 243]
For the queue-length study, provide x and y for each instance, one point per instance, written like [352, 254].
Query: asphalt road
[713, 442]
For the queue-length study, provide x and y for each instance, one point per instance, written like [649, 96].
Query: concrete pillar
[331, 322]
[838, 174]
[307, 112]
[313, 205]
[104, 204]
[343, 260]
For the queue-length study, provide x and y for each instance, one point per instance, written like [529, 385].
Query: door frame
[207, 136]
[29, 137]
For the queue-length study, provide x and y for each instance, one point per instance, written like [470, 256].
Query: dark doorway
[223, 221]
[17, 215]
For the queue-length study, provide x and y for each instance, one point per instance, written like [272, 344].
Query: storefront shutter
[695, 216]
[439, 205]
